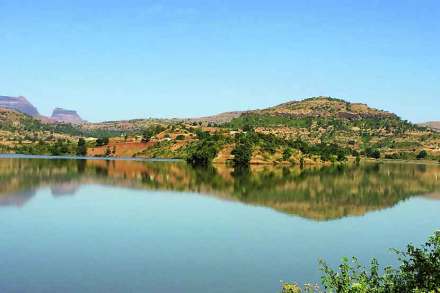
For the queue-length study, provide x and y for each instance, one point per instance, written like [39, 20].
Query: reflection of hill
[323, 194]
[17, 199]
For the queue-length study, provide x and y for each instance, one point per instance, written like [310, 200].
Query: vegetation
[82, 148]
[422, 155]
[242, 153]
[266, 120]
[102, 141]
[372, 153]
[314, 131]
[205, 149]
[419, 271]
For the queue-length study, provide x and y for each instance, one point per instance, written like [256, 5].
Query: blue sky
[132, 59]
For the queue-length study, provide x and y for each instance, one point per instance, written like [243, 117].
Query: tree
[341, 157]
[287, 154]
[202, 153]
[108, 152]
[81, 149]
[372, 153]
[180, 137]
[242, 154]
[102, 141]
[422, 155]
[59, 148]
[146, 136]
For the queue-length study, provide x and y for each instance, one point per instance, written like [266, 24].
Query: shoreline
[47, 157]
[139, 159]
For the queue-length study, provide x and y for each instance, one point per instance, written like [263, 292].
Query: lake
[134, 226]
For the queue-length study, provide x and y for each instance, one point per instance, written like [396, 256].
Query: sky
[117, 59]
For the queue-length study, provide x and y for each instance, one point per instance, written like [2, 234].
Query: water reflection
[318, 194]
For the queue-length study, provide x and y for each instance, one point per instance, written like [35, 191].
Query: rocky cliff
[20, 104]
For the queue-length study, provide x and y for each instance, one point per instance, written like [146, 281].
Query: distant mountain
[66, 116]
[434, 125]
[20, 104]
[218, 119]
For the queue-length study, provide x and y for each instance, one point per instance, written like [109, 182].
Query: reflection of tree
[320, 194]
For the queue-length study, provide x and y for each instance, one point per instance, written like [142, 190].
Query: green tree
[422, 155]
[287, 153]
[81, 149]
[108, 152]
[202, 153]
[102, 141]
[242, 154]
[372, 153]
[180, 137]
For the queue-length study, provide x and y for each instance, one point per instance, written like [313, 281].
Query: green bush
[102, 141]
[205, 149]
[422, 155]
[372, 153]
[287, 153]
[419, 271]
[242, 154]
[180, 137]
[81, 149]
[202, 153]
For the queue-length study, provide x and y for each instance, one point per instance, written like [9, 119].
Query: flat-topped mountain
[20, 104]
[66, 116]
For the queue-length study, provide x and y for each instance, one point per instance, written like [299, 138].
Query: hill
[321, 110]
[318, 130]
[21, 133]
[319, 107]
[66, 116]
[311, 131]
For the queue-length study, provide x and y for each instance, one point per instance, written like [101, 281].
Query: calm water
[128, 226]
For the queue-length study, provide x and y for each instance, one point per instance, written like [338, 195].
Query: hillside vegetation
[318, 130]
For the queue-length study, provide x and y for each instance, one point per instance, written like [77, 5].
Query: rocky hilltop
[326, 107]
[66, 116]
[20, 104]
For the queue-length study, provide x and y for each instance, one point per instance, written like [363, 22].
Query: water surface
[129, 226]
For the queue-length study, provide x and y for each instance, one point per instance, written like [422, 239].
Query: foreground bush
[419, 271]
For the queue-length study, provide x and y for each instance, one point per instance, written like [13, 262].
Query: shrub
[202, 153]
[341, 157]
[81, 149]
[59, 148]
[242, 154]
[422, 155]
[419, 271]
[180, 137]
[102, 141]
[372, 153]
[287, 154]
